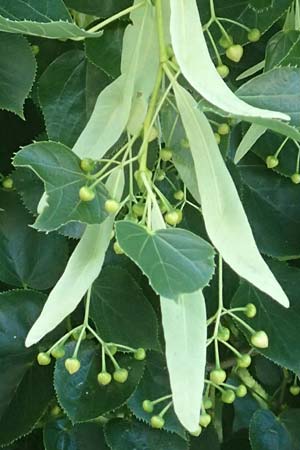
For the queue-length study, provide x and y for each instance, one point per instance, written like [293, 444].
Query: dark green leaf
[62, 435]
[176, 261]
[105, 52]
[121, 312]
[155, 384]
[276, 90]
[47, 18]
[28, 258]
[208, 439]
[122, 435]
[267, 433]
[101, 8]
[59, 168]
[290, 418]
[25, 387]
[283, 50]
[80, 394]
[65, 98]
[281, 324]
[271, 203]
[17, 68]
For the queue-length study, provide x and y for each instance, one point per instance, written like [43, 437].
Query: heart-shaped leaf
[59, 168]
[176, 261]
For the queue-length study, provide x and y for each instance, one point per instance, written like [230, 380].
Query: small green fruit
[244, 361]
[272, 161]
[260, 339]
[228, 396]
[58, 352]
[235, 53]
[217, 376]
[250, 311]
[226, 41]
[254, 35]
[217, 138]
[157, 422]
[140, 354]
[205, 420]
[87, 165]
[43, 359]
[223, 129]
[8, 183]
[86, 194]
[112, 349]
[241, 391]
[55, 411]
[35, 49]
[104, 378]
[160, 175]
[117, 249]
[111, 206]
[153, 134]
[223, 334]
[295, 390]
[173, 217]
[223, 70]
[178, 195]
[295, 178]
[138, 209]
[120, 375]
[166, 154]
[207, 403]
[148, 406]
[72, 365]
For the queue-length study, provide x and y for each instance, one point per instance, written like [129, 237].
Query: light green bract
[81, 271]
[114, 104]
[225, 219]
[196, 65]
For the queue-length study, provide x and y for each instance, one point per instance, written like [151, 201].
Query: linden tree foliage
[149, 224]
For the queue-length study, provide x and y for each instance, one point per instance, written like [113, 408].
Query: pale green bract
[252, 135]
[113, 106]
[196, 65]
[225, 219]
[184, 325]
[81, 271]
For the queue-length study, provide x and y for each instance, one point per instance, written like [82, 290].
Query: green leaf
[28, 258]
[48, 18]
[123, 435]
[65, 97]
[17, 67]
[283, 49]
[121, 312]
[200, 71]
[271, 203]
[81, 271]
[176, 261]
[59, 168]
[102, 8]
[290, 419]
[105, 52]
[184, 325]
[113, 106]
[277, 88]
[225, 220]
[267, 433]
[155, 384]
[281, 325]
[207, 439]
[80, 394]
[61, 434]
[24, 386]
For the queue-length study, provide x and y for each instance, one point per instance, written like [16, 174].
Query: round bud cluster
[272, 161]
[86, 194]
[120, 375]
[173, 217]
[217, 376]
[72, 365]
[260, 339]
